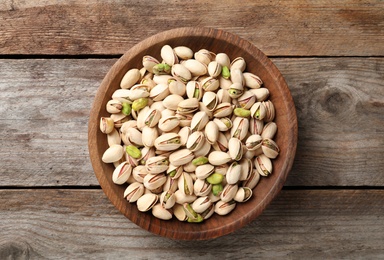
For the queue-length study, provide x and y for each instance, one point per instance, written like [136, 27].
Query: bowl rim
[97, 108]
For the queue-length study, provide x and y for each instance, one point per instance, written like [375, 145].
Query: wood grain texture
[82, 224]
[46, 104]
[294, 27]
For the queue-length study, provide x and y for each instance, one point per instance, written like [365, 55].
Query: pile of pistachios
[191, 135]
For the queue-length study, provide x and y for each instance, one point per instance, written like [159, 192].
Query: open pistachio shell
[134, 191]
[172, 101]
[263, 165]
[113, 153]
[122, 173]
[181, 157]
[147, 201]
[130, 78]
[235, 149]
[224, 208]
[183, 52]
[167, 142]
[196, 67]
[243, 194]
[160, 212]
[168, 55]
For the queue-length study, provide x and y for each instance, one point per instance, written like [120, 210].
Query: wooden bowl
[286, 137]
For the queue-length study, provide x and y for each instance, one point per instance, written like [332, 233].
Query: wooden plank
[46, 103]
[294, 27]
[299, 224]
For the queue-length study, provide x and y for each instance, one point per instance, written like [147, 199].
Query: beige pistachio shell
[221, 143]
[204, 150]
[188, 106]
[172, 101]
[181, 157]
[167, 199]
[160, 212]
[233, 174]
[195, 141]
[182, 198]
[147, 201]
[269, 111]
[185, 183]
[199, 120]
[247, 100]
[235, 149]
[183, 52]
[184, 135]
[139, 173]
[204, 56]
[113, 138]
[223, 124]
[218, 158]
[204, 109]
[224, 208]
[180, 72]
[157, 164]
[149, 62]
[149, 135]
[210, 84]
[152, 117]
[159, 92]
[211, 132]
[263, 165]
[168, 55]
[154, 181]
[162, 79]
[194, 90]
[167, 142]
[256, 126]
[122, 95]
[236, 90]
[261, 93]
[223, 96]
[176, 87]
[168, 123]
[269, 130]
[243, 194]
[203, 171]
[223, 59]
[122, 173]
[201, 187]
[128, 124]
[223, 110]
[252, 81]
[131, 77]
[253, 179]
[139, 91]
[134, 191]
[238, 63]
[170, 185]
[201, 204]
[114, 106]
[210, 100]
[214, 69]
[270, 148]
[246, 168]
[113, 153]
[240, 128]
[253, 142]
[196, 67]
[179, 212]
[237, 76]
[229, 192]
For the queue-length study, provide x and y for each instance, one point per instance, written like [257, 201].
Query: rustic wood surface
[53, 56]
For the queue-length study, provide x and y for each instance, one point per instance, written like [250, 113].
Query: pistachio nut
[199, 120]
[196, 67]
[195, 141]
[263, 165]
[210, 84]
[167, 199]
[149, 135]
[190, 168]
[235, 148]
[113, 153]
[210, 100]
[200, 161]
[201, 204]
[194, 90]
[256, 126]
[237, 76]
[159, 92]
[168, 55]
[114, 106]
[122, 95]
[134, 191]
[252, 81]
[223, 110]
[253, 142]
[261, 93]
[209, 211]
[240, 128]
[215, 178]
[243, 194]
[253, 179]
[223, 96]
[140, 123]
[224, 123]
[179, 212]
[241, 112]
[119, 119]
[154, 181]
[184, 134]
[183, 52]
[167, 112]
[130, 78]
[236, 90]
[138, 91]
[133, 151]
[146, 152]
[149, 62]
[139, 104]
[174, 171]
[188, 106]
[221, 143]
[181, 197]
[246, 168]
[181, 73]
[234, 173]
[224, 208]
[238, 63]
[247, 100]
[160, 212]
[185, 120]
[217, 189]
[258, 110]
[269, 111]
[133, 136]
[223, 59]
[176, 87]
[181, 157]
[204, 56]
[204, 150]
[201, 187]
[218, 158]
[229, 192]
[205, 170]
[269, 130]
[152, 117]
[170, 185]
[139, 172]
[211, 132]
[204, 109]
[122, 173]
[214, 69]
[270, 148]
[185, 183]
[168, 123]
[172, 101]
[157, 164]
[106, 125]
[147, 201]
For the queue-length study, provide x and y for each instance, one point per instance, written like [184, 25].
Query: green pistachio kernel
[200, 160]
[196, 93]
[232, 91]
[161, 68]
[133, 151]
[217, 189]
[139, 104]
[198, 219]
[126, 109]
[215, 178]
[242, 112]
[172, 173]
[225, 72]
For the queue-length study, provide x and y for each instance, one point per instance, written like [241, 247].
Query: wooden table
[53, 58]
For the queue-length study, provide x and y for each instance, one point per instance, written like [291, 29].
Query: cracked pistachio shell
[252, 81]
[214, 69]
[195, 141]
[157, 164]
[181, 73]
[140, 120]
[114, 106]
[167, 199]
[160, 212]
[174, 171]
[234, 173]
[188, 106]
[189, 167]
[185, 119]
[253, 142]
[176, 87]
[261, 93]
[210, 84]
[113, 153]
[179, 212]
[122, 95]
[201, 187]
[183, 52]
[184, 134]
[149, 135]
[182, 198]
[229, 192]
[146, 152]
[204, 109]
[218, 158]
[223, 110]
[211, 132]
[167, 142]
[235, 149]
[256, 126]
[131, 77]
[243, 194]
[236, 90]
[139, 172]
[223, 59]
[119, 119]
[270, 148]
[253, 179]
[223, 124]
[128, 124]
[172, 101]
[159, 92]
[134, 191]
[210, 100]
[161, 79]
[139, 91]
[185, 183]
[224, 208]
[147, 201]
[170, 185]
[223, 96]
[154, 181]
[148, 63]
[204, 150]
[240, 128]
[199, 120]
[167, 112]
[122, 173]
[269, 111]
[208, 212]
[168, 55]
[221, 143]
[203, 171]
[152, 117]
[204, 56]
[247, 100]
[238, 63]
[181, 157]
[225, 83]
[237, 77]
[168, 123]
[148, 82]
[269, 130]
[196, 67]
[134, 136]
[158, 105]
[194, 90]
[246, 168]
[263, 165]
[106, 125]
[201, 204]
